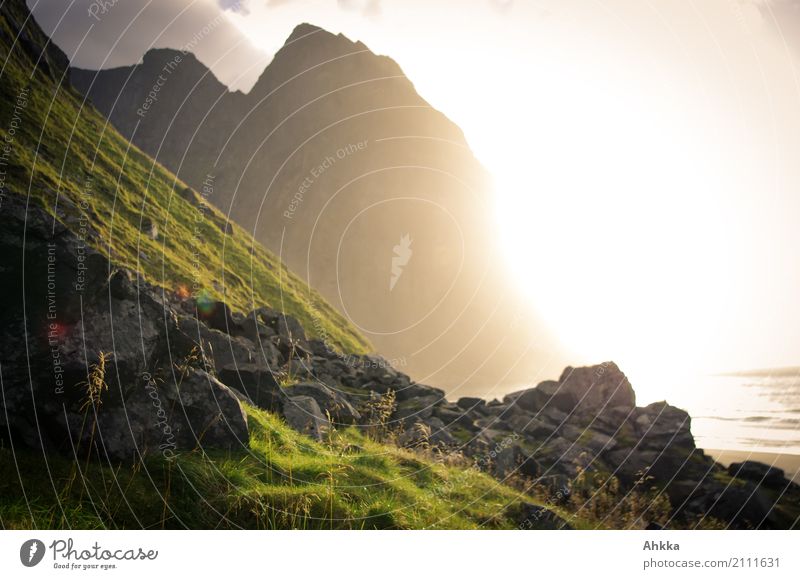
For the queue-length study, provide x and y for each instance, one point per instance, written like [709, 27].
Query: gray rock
[304, 415]
[595, 387]
[529, 400]
[740, 507]
[257, 383]
[284, 325]
[660, 425]
[545, 398]
[417, 409]
[328, 400]
[472, 404]
[552, 415]
[760, 473]
[530, 426]
[168, 417]
[190, 195]
[418, 391]
[536, 517]
[454, 418]
[224, 349]
[150, 228]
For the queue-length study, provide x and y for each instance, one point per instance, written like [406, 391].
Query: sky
[644, 153]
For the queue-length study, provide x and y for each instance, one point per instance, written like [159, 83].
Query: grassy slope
[62, 143]
[285, 480]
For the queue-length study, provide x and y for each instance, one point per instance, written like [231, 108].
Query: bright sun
[611, 216]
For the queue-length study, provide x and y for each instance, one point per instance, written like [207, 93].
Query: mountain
[335, 163]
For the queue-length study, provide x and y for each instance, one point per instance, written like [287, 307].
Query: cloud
[126, 30]
[368, 8]
[234, 6]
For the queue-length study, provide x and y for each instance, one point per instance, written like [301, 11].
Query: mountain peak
[304, 29]
[161, 56]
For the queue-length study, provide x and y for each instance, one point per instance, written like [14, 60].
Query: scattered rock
[304, 415]
[336, 405]
[595, 387]
[536, 517]
[760, 473]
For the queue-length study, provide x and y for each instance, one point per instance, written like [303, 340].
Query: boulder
[530, 426]
[416, 409]
[223, 349]
[539, 518]
[739, 506]
[257, 383]
[471, 404]
[452, 417]
[284, 325]
[547, 397]
[334, 403]
[595, 387]
[760, 473]
[660, 426]
[304, 415]
[190, 195]
[529, 400]
[556, 397]
[96, 311]
[415, 391]
[195, 412]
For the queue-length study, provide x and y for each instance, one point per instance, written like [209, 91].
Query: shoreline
[790, 463]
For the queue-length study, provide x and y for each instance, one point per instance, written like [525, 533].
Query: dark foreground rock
[758, 472]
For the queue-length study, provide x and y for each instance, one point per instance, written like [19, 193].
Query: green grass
[284, 480]
[69, 160]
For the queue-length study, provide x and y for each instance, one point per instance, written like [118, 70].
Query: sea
[753, 412]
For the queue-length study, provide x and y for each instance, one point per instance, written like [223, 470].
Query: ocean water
[753, 412]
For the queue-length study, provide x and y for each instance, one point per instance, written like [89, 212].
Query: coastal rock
[738, 506]
[594, 388]
[471, 404]
[760, 473]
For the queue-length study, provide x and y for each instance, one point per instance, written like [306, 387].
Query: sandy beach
[790, 463]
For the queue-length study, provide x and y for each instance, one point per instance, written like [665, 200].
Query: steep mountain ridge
[331, 160]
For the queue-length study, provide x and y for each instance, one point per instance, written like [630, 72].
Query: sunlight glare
[610, 215]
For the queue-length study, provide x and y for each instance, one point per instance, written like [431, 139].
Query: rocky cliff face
[336, 164]
[132, 370]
